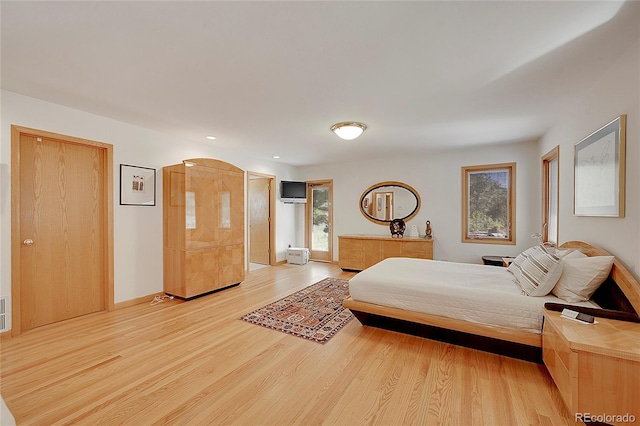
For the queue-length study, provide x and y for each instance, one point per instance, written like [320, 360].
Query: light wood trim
[390, 183]
[512, 203]
[137, 301]
[272, 214]
[313, 254]
[16, 275]
[531, 339]
[619, 273]
[108, 230]
[554, 154]
[622, 164]
[110, 227]
[213, 163]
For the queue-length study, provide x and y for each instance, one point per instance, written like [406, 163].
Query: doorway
[261, 206]
[383, 202]
[62, 227]
[319, 220]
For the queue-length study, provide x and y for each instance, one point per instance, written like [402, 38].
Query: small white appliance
[297, 255]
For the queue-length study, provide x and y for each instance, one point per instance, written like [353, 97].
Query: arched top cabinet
[203, 219]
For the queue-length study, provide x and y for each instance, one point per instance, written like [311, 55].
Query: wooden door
[259, 220]
[319, 223]
[62, 244]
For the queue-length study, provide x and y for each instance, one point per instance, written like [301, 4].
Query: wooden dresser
[595, 367]
[358, 252]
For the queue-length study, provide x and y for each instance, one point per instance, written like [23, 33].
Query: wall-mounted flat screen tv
[293, 192]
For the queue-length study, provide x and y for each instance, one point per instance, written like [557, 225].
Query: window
[550, 175]
[489, 204]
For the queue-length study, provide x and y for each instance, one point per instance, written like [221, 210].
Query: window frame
[547, 159]
[511, 208]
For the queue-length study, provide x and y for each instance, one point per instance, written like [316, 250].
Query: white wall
[438, 179]
[138, 230]
[616, 93]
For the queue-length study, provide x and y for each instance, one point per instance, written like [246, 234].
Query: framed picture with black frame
[599, 171]
[137, 186]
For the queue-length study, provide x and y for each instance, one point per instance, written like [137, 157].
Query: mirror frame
[390, 183]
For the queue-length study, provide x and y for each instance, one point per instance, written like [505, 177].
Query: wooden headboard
[621, 290]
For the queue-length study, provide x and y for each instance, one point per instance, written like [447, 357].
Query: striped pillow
[536, 270]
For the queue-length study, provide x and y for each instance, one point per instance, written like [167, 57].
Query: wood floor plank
[196, 362]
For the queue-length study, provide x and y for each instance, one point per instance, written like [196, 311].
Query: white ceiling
[272, 77]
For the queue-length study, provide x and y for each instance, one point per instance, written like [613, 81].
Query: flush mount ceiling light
[348, 130]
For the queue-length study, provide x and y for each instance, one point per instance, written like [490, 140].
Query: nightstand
[506, 261]
[596, 367]
[492, 260]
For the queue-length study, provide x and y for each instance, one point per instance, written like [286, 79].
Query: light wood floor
[196, 363]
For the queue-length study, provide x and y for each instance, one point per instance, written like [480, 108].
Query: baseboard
[121, 305]
[133, 302]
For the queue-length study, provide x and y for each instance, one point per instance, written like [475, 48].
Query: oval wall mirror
[385, 201]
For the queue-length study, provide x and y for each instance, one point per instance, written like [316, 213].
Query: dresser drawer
[561, 363]
[357, 252]
[351, 254]
[418, 249]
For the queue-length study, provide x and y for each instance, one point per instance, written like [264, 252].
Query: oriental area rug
[313, 313]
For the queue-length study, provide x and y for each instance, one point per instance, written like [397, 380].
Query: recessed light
[276, 156]
[211, 137]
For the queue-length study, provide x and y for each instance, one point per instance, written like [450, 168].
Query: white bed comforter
[476, 293]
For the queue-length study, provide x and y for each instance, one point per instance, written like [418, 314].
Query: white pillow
[569, 253]
[581, 277]
[536, 270]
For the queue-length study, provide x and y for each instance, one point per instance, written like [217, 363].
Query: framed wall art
[137, 186]
[599, 172]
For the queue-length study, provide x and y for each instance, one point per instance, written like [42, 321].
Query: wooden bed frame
[620, 293]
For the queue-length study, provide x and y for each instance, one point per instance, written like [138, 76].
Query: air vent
[3, 314]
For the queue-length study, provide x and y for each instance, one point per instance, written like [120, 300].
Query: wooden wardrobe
[203, 215]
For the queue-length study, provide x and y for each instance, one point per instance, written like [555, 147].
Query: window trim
[466, 170]
[550, 156]
[317, 254]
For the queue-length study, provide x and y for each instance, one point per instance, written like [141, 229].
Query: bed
[489, 311]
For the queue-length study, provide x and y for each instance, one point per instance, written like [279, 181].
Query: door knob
[27, 242]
